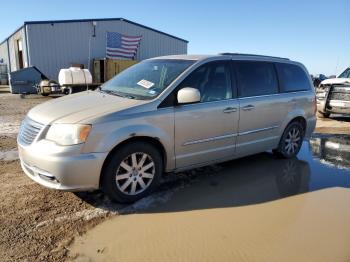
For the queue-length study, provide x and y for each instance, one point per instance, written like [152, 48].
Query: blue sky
[316, 33]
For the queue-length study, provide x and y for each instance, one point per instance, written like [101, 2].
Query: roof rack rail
[254, 55]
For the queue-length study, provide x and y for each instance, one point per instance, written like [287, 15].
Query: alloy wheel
[135, 173]
[292, 141]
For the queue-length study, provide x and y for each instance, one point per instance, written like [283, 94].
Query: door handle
[248, 107]
[230, 109]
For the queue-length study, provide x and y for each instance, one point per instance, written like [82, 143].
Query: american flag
[121, 46]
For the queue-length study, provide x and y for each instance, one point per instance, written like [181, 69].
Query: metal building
[52, 45]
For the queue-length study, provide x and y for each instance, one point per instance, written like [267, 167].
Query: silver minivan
[167, 114]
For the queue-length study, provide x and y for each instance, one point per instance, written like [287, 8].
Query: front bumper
[63, 168]
[333, 99]
[338, 107]
[334, 107]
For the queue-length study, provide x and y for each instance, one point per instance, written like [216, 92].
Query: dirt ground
[334, 125]
[38, 224]
[29, 229]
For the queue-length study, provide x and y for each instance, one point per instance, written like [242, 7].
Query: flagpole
[137, 48]
[89, 56]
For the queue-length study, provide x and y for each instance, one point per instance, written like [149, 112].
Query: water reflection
[323, 162]
[332, 150]
[246, 181]
[262, 178]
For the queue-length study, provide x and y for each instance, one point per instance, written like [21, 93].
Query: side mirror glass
[188, 95]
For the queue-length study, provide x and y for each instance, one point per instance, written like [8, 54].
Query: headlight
[321, 92]
[321, 95]
[66, 134]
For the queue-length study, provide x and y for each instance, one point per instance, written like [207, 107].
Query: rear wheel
[291, 141]
[132, 172]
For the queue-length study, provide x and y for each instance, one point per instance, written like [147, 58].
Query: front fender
[105, 137]
[118, 136]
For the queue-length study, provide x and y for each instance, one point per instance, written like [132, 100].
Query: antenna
[336, 66]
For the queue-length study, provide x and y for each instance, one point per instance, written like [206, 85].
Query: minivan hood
[335, 81]
[79, 107]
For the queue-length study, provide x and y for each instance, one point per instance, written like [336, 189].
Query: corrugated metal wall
[4, 53]
[55, 46]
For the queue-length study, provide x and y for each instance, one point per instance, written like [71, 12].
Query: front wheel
[323, 115]
[68, 90]
[291, 141]
[132, 172]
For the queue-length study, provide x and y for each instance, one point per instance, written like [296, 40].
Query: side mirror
[188, 95]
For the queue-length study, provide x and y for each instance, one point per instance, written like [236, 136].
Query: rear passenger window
[292, 78]
[256, 78]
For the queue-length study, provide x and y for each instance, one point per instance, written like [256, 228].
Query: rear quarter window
[292, 78]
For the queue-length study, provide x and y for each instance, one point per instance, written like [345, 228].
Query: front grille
[29, 131]
[340, 96]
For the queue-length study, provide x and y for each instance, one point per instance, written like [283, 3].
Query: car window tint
[292, 78]
[256, 78]
[345, 74]
[147, 79]
[212, 80]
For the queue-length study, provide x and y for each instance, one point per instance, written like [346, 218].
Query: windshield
[146, 79]
[345, 74]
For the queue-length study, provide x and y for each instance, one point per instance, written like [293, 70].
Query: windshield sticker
[152, 92]
[145, 83]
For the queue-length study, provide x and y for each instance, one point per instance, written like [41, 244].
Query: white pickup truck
[333, 95]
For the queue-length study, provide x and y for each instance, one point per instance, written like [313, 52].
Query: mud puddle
[9, 155]
[241, 210]
[306, 227]
[322, 162]
[328, 157]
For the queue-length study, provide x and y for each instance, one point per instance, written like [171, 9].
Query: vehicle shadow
[340, 118]
[251, 180]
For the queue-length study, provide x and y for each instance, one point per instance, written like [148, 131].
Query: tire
[123, 180]
[68, 91]
[323, 115]
[294, 132]
[44, 94]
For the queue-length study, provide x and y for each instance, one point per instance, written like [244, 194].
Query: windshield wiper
[110, 92]
[128, 96]
[116, 93]
[104, 91]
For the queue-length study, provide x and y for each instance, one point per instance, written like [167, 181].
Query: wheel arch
[299, 116]
[145, 139]
[299, 119]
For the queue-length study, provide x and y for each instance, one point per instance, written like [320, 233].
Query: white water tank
[74, 76]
